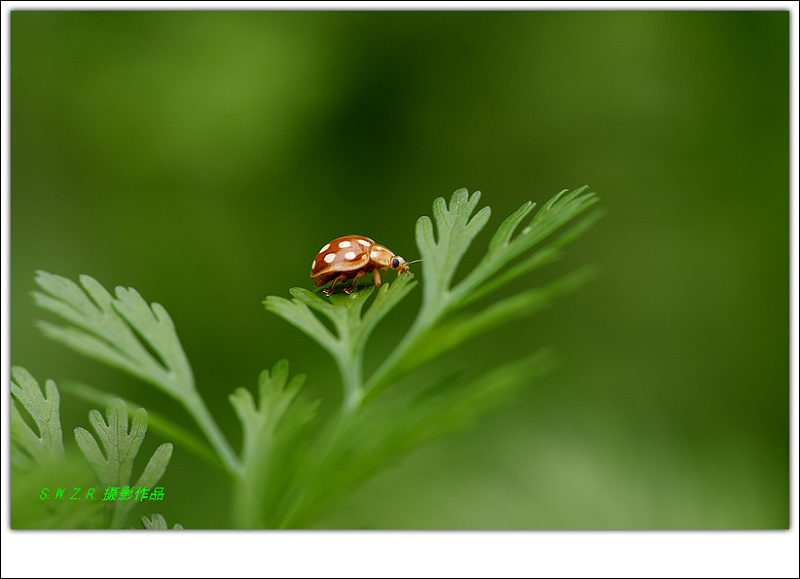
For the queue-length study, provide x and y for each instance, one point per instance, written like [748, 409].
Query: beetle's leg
[376, 277]
[358, 276]
[329, 291]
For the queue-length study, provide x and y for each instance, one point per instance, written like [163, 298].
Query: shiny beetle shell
[353, 257]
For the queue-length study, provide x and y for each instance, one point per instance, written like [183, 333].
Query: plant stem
[428, 316]
[248, 496]
[352, 383]
[350, 367]
[350, 359]
[195, 406]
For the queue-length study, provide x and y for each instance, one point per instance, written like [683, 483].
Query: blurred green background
[204, 157]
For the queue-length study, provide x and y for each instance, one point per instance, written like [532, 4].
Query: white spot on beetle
[330, 257]
[350, 255]
[374, 254]
[327, 245]
[313, 263]
[344, 244]
[364, 242]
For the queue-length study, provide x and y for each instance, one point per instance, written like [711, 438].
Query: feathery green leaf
[127, 333]
[114, 463]
[26, 445]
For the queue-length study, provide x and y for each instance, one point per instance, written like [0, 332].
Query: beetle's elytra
[353, 257]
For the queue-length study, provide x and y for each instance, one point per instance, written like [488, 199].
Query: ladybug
[353, 257]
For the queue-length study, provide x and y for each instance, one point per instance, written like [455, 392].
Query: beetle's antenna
[415, 261]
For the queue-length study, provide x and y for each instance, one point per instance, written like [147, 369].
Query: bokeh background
[204, 157]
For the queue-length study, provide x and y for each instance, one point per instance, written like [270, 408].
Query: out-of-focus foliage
[204, 157]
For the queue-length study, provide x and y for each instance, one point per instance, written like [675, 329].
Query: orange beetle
[353, 257]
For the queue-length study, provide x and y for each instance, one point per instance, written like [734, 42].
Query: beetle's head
[398, 264]
[401, 265]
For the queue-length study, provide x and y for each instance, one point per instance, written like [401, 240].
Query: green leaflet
[28, 448]
[114, 464]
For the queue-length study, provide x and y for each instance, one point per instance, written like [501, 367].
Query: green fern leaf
[127, 333]
[114, 466]
[27, 446]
